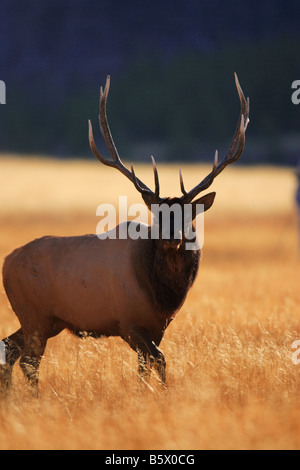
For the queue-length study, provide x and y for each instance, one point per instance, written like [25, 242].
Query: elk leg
[148, 353]
[31, 357]
[13, 346]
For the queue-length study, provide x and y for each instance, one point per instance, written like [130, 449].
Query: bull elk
[107, 287]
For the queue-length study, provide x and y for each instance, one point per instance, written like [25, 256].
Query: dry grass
[231, 380]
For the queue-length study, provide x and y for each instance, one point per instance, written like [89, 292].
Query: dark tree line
[172, 65]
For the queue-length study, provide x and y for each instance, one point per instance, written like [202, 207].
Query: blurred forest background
[171, 65]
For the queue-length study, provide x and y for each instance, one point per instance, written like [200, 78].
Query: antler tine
[116, 161]
[115, 164]
[181, 183]
[156, 178]
[104, 127]
[143, 190]
[135, 181]
[244, 112]
[235, 150]
[208, 180]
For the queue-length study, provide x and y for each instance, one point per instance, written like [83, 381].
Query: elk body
[111, 287]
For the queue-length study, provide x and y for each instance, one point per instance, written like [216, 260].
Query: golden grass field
[231, 380]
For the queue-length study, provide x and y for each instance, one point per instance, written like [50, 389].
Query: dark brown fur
[166, 275]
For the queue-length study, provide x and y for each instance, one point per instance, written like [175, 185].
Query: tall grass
[231, 379]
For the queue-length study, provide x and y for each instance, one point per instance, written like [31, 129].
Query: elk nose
[172, 244]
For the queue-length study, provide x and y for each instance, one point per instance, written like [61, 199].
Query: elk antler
[116, 161]
[235, 150]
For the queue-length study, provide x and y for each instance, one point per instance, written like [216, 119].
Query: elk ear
[207, 201]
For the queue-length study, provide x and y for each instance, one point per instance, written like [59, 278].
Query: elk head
[174, 237]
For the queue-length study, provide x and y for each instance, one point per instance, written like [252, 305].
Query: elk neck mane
[166, 276]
